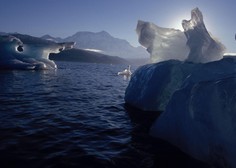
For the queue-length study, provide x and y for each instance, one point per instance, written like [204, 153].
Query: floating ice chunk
[27, 52]
[126, 72]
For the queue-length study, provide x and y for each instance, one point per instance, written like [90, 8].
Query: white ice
[30, 54]
[162, 43]
[195, 44]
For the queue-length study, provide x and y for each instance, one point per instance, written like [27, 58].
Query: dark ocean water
[75, 116]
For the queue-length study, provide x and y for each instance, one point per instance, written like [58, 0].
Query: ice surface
[200, 120]
[199, 104]
[197, 96]
[152, 85]
[195, 44]
[32, 54]
[162, 43]
[203, 47]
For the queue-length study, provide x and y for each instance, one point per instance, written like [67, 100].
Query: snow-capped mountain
[105, 43]
[50, 38]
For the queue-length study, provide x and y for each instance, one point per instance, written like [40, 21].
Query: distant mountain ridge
[55, 39]
[104, 42]
[75, 55]
[2, 33]
[80, 55]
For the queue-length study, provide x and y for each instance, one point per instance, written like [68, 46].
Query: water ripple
[71, 117]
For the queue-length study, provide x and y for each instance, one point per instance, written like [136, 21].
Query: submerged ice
[27, 52]
[193, 84]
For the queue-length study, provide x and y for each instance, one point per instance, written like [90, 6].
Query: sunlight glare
[176, 22]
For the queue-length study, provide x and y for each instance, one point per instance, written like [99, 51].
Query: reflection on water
[126, 77]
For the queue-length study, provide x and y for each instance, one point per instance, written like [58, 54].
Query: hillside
[86, 56]
[105, 43]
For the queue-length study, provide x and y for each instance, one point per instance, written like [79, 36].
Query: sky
[63, 18]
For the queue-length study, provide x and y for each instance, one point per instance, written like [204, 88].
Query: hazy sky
[62, 18]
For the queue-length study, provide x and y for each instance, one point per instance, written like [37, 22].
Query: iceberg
[29, 53]
[198, 104]
[200, 119]
[125, 72]
[195, 44]
[196, 94]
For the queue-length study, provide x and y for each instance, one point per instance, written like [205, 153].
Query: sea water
[75, 116]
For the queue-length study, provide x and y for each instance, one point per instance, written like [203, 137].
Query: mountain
[105, 43]
[87, 56]
[55, 39]
[27, 39]
[2, 33]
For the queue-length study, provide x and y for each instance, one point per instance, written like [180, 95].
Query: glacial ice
[203, 47]
[198, 103]
[162, 43]
[195, 44]
[200, 120]
[152, 86]
[27, 52]
[197, 96]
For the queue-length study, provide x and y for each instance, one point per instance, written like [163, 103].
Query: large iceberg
[26, 52]
[197, 96]
[200, 120]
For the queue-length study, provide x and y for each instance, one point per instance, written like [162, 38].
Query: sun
[176, 22]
